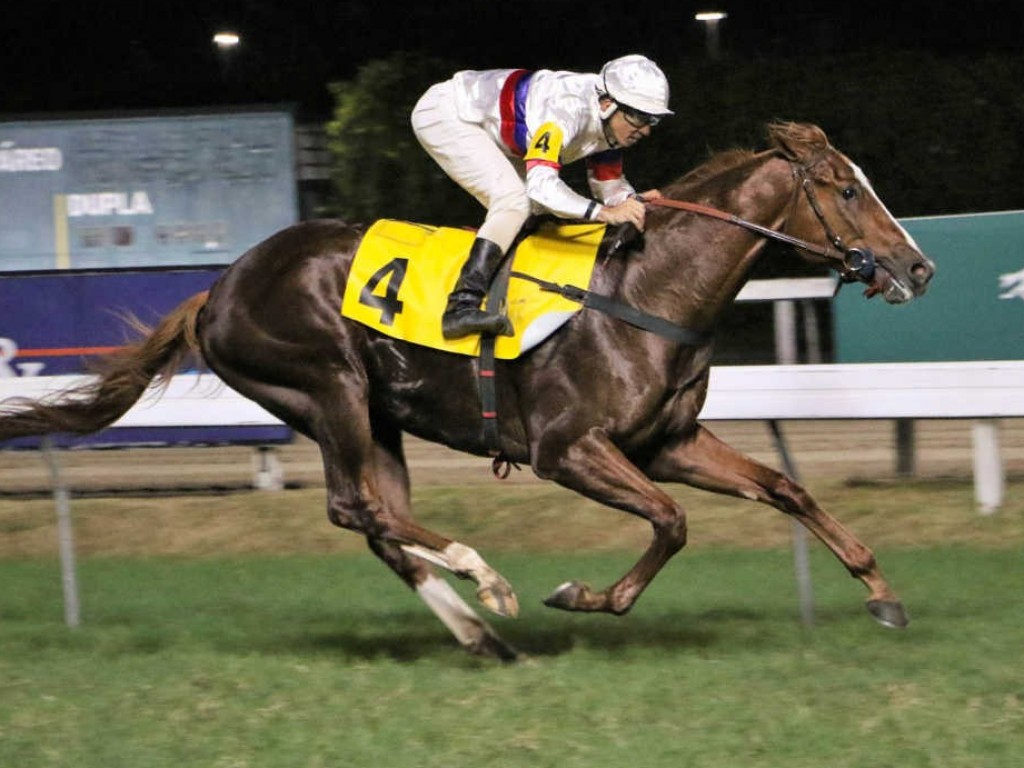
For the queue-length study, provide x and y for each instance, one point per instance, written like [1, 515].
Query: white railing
[984, 391]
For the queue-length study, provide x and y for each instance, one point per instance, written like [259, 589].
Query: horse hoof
[493, 647]
[499, 599]
[888, 613]
[567, 596]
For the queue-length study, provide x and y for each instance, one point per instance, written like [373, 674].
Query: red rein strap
[714, 213]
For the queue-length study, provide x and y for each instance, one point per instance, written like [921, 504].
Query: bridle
[851, 263]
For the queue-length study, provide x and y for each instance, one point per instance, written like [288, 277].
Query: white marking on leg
[457, 558]
[432, 556]
[494, 591]
[461, 620]
[467, 560]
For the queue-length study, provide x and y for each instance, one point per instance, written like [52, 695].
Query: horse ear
[799, 142]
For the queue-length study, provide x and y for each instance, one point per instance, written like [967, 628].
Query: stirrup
[459, 323]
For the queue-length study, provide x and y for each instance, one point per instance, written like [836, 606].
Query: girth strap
[501, 466]
[496, 296]
[618, 309]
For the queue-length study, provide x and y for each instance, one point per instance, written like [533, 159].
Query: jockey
[504, 134]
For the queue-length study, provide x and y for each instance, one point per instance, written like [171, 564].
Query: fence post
[989, 483]
[268, 473]
[906, 448]
[65, 537]
[786, 353]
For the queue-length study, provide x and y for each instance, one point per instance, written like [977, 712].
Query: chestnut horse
[602, 407]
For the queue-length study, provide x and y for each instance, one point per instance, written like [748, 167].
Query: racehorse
[602, 407]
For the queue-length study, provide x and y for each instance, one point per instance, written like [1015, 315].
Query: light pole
[710, 21]
[227, 43]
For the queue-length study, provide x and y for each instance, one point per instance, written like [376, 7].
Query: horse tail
[123, 377]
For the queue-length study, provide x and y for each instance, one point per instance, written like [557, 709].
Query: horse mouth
[892, 289]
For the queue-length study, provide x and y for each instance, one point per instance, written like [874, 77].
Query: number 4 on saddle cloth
[403, 272]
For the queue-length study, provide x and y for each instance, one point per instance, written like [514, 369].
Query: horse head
[834, 201]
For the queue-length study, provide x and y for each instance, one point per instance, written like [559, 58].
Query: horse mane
[800, 142]
[718, 163]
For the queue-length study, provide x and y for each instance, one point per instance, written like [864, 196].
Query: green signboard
[973, 310]
[142, 191]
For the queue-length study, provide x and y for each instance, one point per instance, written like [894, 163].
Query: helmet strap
[608, 111]
[605, 113]
[609, 135]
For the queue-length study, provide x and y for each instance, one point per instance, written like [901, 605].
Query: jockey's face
[621, 131]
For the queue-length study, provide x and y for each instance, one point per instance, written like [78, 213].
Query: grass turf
[311, 660]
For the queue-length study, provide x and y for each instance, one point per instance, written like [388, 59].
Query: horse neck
[692, 267]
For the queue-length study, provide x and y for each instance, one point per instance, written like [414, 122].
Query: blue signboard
[54, 323]
[143, 191]
[974, 307]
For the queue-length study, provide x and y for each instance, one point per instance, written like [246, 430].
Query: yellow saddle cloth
[403, 272]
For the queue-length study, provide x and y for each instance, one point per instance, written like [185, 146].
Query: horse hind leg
[337, 419]
[326, 397]
[472, 632]
[493, 589]
[355, 500]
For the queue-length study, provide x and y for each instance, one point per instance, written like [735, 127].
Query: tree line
[936, 135]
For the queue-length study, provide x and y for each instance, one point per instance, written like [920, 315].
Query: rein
[853, 263]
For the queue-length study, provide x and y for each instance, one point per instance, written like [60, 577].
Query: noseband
[856, 263]
[851, 263]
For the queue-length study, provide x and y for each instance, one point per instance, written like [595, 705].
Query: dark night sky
[129, 55]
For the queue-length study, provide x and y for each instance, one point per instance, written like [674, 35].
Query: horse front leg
[703, 461]
[593, 466]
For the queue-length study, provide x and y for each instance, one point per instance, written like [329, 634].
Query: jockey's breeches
[471, 158]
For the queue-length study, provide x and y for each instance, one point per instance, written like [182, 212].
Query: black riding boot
[463, 316]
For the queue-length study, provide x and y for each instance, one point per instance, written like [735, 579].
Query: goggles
[638, 119]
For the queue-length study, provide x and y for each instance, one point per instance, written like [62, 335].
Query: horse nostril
[922, 272]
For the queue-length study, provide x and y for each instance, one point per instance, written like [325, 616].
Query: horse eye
[849, 193]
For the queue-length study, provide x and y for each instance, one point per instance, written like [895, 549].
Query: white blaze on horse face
[863, 179]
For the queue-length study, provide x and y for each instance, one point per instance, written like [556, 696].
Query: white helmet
[636, 82]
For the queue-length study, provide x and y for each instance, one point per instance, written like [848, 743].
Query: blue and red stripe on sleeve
[606, 166]
[513, 110]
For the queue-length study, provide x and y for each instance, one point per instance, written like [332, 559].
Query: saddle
[402, 273]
